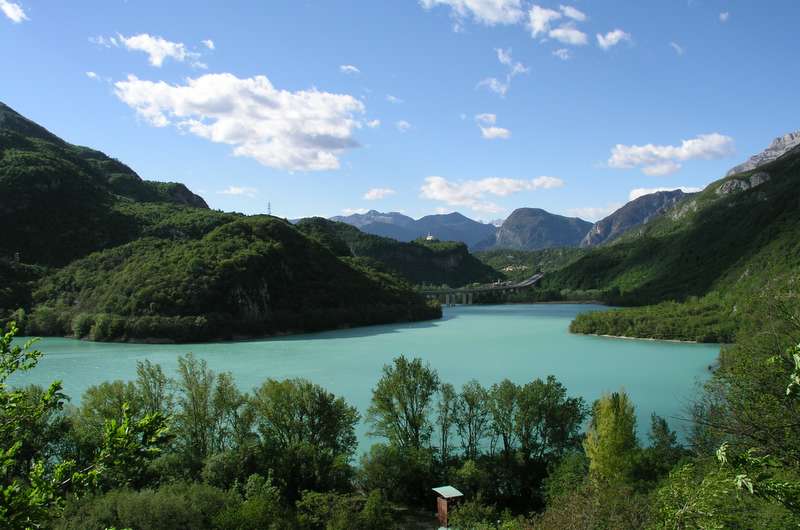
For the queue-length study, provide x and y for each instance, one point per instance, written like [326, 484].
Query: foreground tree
[33, 491]
[611, 441]
[401, 403]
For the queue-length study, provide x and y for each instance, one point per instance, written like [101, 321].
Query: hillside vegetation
[420, 262]
[91, 250]
[738, 236]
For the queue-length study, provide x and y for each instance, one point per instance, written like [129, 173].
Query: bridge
[465, 295]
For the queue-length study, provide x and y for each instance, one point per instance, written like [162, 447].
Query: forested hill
[737, 237]
[420, 262]
[89, 249]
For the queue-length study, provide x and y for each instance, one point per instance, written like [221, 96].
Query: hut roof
[448, 492]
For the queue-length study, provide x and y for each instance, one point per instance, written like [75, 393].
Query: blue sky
[478, 106]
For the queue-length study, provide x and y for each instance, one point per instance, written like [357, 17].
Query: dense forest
[193, 451]
[91, 250]
[739, 236]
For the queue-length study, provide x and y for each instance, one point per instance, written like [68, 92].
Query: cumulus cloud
[612, 38]
[489, 12]
[569, 34]
[573, 13]
[157, 48]
[349, 69]
[665, 159]
[393, 99]
[239, 190]
[677, 47]
[486, 123]
[493, 133]
[305, 130]
[372, 124]
[514, 69]
[540, 18]
[639, 192]
[378, 193]
[402, 126]
[13, 11]
[472, 193]
[351, 211]
[594, 213]
[724, 16]
[563, 54]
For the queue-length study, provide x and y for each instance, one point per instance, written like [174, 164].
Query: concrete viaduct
[465, 295]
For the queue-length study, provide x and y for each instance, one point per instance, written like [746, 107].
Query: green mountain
[92, 250]
[522, 264]
[419, 262]
[738, 236]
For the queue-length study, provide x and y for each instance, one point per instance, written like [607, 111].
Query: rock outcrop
[777, 148]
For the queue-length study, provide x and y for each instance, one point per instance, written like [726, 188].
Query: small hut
[445, 497]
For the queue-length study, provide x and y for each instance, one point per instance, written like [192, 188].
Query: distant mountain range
[446, 227]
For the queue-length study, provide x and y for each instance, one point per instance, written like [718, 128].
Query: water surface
[487, 343]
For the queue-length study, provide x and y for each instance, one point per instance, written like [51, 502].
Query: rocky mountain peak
[776, 149]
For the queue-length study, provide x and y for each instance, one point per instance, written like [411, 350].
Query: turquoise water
[487, 343]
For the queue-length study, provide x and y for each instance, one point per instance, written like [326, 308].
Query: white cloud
[472, 193]
[351, 211]
[157, 48]
[208, 43]
[514, 69]
[486, 123]
[493, 133]
[594, 213]
[489, 12]
[393, 99]
[402, 126]
[349, 69]
[106, 42]
[573, 13]
[13, 11]
[540, 18]
[724, 16]
[494, 84]
[612, 38]
[92, 75]
[239, 190]
[639, 192]
[664, 159]
[378, 193]
[661, 169]
[304, 130]
[563, 54]
[372, 124]
[677, 47]
[569, 34]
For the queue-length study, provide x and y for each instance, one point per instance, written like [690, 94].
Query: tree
[472, 417]
[195, 418]
[401, 403]
[34, 486]
[503, 407]
[233, 417]
[547, 422]
[155, 388]
[611, 441]
[444, 418]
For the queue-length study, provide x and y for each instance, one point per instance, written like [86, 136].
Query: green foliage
[419, 262]
[401, 403]
[611, 440]
[518, 265]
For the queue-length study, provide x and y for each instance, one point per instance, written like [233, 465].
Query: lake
[487, 343]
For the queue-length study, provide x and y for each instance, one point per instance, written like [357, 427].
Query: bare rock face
[636, 213]
[778, 147]
[743, 184]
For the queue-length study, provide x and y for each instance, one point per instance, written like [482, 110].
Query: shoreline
[678, 341]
